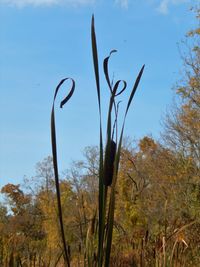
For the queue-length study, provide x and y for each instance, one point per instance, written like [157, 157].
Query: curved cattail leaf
[55, 164]
[116, 87]
[109, 163]
[105, 67]
[112, 102]
[64, 101]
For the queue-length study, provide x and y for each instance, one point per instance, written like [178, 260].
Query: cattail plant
[55, 165]
[109, 159]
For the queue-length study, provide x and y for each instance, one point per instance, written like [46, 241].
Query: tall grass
[55, 165]
[109, 160]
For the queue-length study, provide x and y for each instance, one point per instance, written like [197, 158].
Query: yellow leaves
[197, 31]
[192, 90]
[194, 82]
[182, 91]
[193, 32]
[190, 120]
[147, 144]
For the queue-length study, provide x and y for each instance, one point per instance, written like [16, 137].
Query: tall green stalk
[110, 159]
[55, 165]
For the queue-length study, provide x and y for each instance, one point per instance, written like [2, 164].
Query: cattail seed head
[109, 163]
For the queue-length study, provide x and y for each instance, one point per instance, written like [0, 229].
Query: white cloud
[21, 3]
[163, 7]
[165, 4]
[122, 3]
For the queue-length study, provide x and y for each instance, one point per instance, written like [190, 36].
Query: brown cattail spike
[109, 163]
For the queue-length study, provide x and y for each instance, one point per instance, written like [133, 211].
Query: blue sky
[43, 41]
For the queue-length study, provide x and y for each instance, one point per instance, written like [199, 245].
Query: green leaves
[55, 163]
[109, 162]
[134, 88]
[105, 67]
[95, 60]
[102, 189]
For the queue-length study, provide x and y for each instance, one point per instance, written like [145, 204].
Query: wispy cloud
[164, 6]
[122, 3]
[21, 3]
